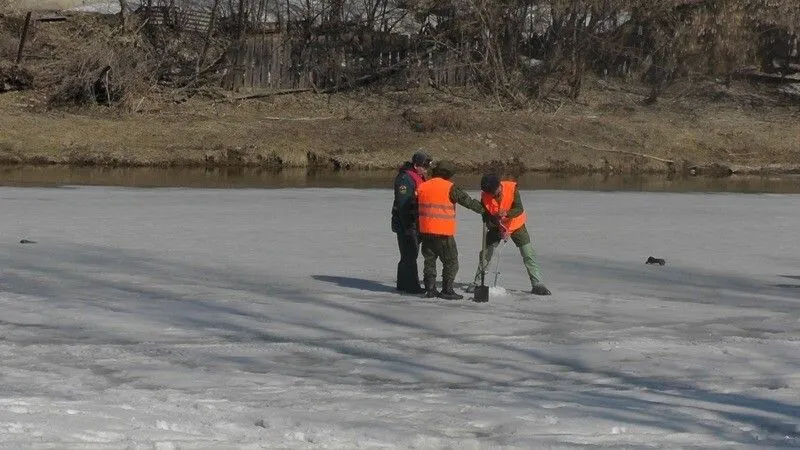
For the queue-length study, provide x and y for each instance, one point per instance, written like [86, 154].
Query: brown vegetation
[361, 130]
[657, 93]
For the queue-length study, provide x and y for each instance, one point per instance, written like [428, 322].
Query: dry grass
[13, 77]
[109, 72]
[10, 31]
[90, 59]
[437, 119]
[357, 131]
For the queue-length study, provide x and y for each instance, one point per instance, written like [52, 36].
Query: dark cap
[489, 183]
[445, 169]
[421, 159]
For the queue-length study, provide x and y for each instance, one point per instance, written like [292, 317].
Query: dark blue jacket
[404, 209]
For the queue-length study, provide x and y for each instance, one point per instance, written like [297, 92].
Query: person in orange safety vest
[506, 218]
[436, 205]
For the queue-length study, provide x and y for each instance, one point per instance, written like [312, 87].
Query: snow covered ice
[498, 291]
[239, 319]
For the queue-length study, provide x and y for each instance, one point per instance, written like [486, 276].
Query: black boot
[415, 289]
[540, 289]
[448, 293]
[430, 288]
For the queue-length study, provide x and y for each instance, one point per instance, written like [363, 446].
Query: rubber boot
[448, 293]
[430, 288]
[540, 289]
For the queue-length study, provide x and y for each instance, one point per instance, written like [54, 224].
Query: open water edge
[232, 178]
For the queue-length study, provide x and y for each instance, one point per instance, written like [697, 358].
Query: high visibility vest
[511, 224]
[437, 214]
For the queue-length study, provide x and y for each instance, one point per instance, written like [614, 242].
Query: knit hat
[489, 183]
[421, 159]
[445, 169]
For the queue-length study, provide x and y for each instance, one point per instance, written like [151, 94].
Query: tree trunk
[123, 14]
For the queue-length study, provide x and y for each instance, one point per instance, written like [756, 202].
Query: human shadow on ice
[127, 293]
[354, 283]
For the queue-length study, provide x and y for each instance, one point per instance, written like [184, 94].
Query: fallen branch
[139, 29]
[776, 78]
[367, 79]
[267, 94]
[668, 162]
[300, 118]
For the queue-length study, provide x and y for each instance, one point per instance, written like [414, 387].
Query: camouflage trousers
[522, 240]
[443, 248]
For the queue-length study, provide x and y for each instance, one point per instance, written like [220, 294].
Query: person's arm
[457, 195]
[516, 205]
[405, 200]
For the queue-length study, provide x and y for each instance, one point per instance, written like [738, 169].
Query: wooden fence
[274, 62]
[196, 20]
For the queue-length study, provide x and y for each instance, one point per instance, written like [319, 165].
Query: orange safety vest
[511, 224]
[437, 214]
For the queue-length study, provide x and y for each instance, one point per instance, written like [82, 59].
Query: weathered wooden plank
[269, 59]
[279, 67]
[251, 55]
[189, 19]
[239, 66]
[274, 64]
[286, 66]
[259, 67]
[251, 81]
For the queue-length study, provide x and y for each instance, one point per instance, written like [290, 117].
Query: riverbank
[261, 178]
[711, 130]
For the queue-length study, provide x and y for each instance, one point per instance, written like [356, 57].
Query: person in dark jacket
[437, 199]
[404, 220]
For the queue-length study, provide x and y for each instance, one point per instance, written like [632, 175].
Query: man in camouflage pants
[436, 199]
[505, 218]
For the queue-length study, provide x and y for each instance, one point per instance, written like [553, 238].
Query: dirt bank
[697, 126]
[734, 129]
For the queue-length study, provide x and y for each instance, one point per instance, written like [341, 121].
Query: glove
[504, 233]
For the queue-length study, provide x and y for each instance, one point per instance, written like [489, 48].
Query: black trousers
[407, 271]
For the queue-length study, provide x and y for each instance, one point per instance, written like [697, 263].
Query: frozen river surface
[203, 318]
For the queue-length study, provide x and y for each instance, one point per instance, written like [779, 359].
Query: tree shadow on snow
[789, 285]
[141, 292]
[672, 283]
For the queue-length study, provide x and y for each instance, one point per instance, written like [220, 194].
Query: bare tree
[522, 49]
[123, 13]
